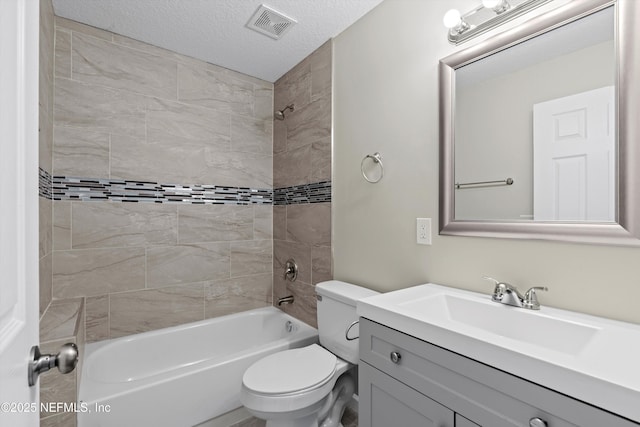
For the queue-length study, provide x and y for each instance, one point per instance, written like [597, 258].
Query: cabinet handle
[395, 357]
[537, 422]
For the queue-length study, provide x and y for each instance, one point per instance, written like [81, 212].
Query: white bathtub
[184, 375]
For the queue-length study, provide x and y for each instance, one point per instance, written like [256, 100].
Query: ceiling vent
[270, 22]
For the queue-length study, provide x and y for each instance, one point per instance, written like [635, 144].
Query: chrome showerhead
[279, 115]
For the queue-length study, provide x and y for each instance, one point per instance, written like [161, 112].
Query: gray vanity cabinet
[404, 381]
[390, 400]
[463, 422]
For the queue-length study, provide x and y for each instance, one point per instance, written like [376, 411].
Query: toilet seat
[291, 371]
[292, 383]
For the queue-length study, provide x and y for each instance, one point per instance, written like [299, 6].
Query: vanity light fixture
[498, 6]
[485, 17]
[454, 22]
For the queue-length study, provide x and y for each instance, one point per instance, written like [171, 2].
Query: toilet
[311, 386]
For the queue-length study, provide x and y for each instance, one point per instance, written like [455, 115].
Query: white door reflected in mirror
[574, 157]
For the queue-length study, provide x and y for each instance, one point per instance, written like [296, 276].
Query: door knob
[66, 361]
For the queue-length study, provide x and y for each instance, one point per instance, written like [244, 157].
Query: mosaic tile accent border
[96, 189]
[89, 189]
[44, 186]
[319, 192]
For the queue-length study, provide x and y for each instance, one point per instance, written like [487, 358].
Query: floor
[250, 422]
[349, 419]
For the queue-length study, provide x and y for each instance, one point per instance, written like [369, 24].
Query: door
[574, 157]
[385, 401]
[19, 21]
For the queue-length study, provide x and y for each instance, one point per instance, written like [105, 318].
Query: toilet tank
[336, 312]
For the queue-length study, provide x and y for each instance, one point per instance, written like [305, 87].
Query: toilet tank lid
[344, 292]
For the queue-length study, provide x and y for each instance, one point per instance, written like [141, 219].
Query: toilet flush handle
[346, 333]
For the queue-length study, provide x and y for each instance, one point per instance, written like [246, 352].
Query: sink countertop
[589, 358]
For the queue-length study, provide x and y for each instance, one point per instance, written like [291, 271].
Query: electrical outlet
[423, 231]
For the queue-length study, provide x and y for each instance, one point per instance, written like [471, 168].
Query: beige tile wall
[302, 155]
[113, 107]
[57, 323]
[128, 110]
[45, 118]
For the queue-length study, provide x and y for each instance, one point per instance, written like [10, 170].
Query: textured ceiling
[215, 31]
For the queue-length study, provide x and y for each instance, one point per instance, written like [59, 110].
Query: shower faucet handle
[291, 270]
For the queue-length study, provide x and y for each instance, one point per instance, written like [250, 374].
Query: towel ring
[377, 158]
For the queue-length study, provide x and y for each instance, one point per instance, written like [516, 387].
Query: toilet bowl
[298, 392]
[310, 386]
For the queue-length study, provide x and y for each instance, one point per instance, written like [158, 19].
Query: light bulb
[498, 6]
[490, 4]
[451, 19]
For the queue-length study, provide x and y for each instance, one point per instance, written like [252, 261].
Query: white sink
[529, 326]
[589, 358]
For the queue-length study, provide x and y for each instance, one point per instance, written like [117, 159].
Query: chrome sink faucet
[505, 293]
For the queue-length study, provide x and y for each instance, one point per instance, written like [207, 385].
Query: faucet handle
[531, 298]
[499, 290]
[291, 270]
[499, 286]
[491, 279]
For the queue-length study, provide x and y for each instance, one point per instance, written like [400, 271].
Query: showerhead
[279, 115]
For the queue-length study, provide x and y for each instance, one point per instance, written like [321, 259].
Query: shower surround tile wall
[57, 326]
[135, 119]
[125, 110]
[46, 75]
[138, 120]
[302, 155]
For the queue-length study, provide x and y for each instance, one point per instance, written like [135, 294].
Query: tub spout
[285, 300]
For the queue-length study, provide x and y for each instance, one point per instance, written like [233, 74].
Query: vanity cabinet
[389, 400]
[404, 381]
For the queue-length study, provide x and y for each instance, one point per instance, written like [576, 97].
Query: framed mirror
[540, 132]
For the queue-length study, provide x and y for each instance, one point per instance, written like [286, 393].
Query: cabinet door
[463, 422]
[386, 402]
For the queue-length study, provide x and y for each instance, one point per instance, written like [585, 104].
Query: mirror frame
[626, 231]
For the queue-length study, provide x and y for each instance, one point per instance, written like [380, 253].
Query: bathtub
[184, 375]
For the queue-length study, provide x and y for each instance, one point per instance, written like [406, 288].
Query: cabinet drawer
[486, 395]
[386, 402]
